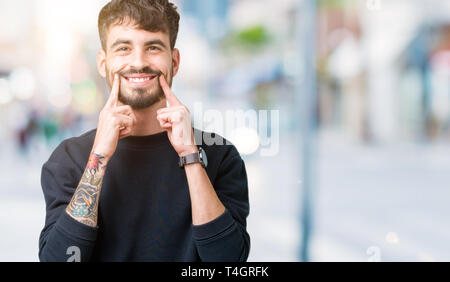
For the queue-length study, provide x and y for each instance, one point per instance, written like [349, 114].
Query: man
[138, 188]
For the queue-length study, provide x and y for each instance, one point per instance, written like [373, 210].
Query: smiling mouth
[140, 79]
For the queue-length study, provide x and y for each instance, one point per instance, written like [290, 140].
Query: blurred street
[394, 198]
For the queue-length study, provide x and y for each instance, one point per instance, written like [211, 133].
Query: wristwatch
[199, 157]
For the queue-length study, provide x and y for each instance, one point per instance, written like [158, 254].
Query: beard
[139, 98]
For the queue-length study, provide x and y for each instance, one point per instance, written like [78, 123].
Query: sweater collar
[148, 141]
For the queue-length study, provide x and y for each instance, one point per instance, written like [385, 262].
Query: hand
[115, 122]
[176, 119]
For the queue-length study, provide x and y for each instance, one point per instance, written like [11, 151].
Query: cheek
[162, 63]
[115, 64]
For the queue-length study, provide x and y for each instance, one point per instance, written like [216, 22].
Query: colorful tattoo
[84, 204]
[94, 163]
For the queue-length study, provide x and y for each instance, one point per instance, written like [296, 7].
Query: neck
[146, 122]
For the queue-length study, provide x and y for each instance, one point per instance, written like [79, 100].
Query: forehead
[134, 34]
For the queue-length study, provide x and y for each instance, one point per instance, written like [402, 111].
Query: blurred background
[361, 87]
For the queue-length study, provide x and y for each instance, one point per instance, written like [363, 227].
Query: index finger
[114, 95]
[173, 100]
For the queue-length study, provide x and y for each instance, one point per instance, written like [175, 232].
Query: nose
[138, 60]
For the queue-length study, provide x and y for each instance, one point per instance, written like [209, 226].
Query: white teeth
[139, 79]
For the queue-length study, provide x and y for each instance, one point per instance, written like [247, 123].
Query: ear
[101, 62]
[175, 61]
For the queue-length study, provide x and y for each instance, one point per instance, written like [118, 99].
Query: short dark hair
[149, 15]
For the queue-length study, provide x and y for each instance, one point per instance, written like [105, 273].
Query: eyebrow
[120, 41]
[156, 42]
[148, 43]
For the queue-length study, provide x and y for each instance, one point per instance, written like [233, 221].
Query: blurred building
[376, 64]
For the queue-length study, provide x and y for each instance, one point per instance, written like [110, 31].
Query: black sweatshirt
[144, 210]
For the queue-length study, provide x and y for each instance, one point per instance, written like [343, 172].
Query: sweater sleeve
[62, 238]
[226, 238]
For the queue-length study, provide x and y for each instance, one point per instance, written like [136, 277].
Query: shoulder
[73, 150]
[218, 149]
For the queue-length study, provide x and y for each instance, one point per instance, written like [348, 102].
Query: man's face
[139, 57]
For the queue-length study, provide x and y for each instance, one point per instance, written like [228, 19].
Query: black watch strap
[192, 158]
[189, 159]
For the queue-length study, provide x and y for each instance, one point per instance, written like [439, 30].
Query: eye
[153, 48]
[123, 49]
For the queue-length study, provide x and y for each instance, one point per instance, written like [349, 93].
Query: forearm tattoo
[84, 204]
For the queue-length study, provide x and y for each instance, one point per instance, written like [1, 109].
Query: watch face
[203, 156]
